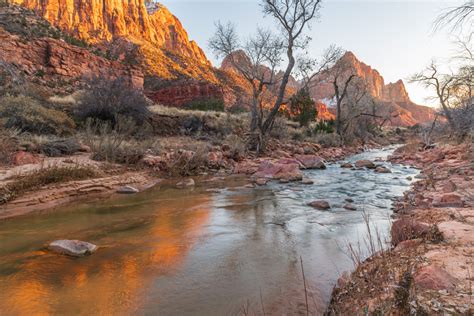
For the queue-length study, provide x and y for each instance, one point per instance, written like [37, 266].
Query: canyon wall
[96, 21]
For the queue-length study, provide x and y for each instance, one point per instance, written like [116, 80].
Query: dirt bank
[429, 268]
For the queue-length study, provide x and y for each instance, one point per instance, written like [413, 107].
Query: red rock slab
[433, 277]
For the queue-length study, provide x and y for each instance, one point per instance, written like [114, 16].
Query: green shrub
[28, 115]
[302, 108]
[206, 105]
[325, 127]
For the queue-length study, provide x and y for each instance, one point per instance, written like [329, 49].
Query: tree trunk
[281, 93]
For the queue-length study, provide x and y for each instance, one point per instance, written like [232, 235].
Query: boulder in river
[347, 165]
[307, 181]
[74, 248]
[185, 183]
[127, 190]
[365, 164]
[289, 171]
[311, 161]
[382, 169]
[261, 181]
[320, 205]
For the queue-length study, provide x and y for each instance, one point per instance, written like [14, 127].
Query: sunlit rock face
[392, 96]
[103, 20]
[323, 112]
[49, 60]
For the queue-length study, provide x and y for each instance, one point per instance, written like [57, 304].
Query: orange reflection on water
[112, 281]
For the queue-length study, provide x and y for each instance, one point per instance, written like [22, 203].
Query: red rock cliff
[103, 20]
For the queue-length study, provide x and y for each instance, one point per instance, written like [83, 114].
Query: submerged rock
[320, 205]
[382, 169]
[307, 181]
[127, 190]
[74, 248]
[350, 207]
[185, 183]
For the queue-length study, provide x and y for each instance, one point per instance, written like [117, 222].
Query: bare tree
[294, 18]
[255, 60]
[442, 84]
[308, 69]
[456, 17]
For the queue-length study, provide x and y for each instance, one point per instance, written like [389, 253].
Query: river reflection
[188, 252]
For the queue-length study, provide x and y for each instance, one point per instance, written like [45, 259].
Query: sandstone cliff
[104, 20]
[35, 52]
[138, 35]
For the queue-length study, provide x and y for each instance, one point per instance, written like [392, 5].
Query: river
[220, 248]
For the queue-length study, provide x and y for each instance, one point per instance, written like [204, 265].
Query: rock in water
[74, 248]
[127, 190]
[350, 207]
[382, 169]
[320, 205]
[185, 183]
[365, 164]
[311, 161]
[347, 165]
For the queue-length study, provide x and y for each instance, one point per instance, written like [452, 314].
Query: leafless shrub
[189, 163]
[237, 147]
[328, 140]
[105, 100]
[9, 144]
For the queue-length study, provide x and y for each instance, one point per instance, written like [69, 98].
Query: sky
[394, 37]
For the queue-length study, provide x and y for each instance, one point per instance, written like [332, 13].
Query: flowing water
[217, 249]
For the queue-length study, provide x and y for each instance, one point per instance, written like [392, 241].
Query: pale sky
[394, 37]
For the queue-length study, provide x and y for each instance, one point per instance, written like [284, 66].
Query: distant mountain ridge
[393, 96]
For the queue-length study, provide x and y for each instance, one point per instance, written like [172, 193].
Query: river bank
[285, 159]
[428, 269]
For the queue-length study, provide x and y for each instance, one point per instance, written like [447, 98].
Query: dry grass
[45, 176]
[189, 163]
[8, 145]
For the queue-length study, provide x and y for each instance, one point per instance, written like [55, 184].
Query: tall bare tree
[255, 60]
[457, 17]
[294, 17]
[443, 86]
